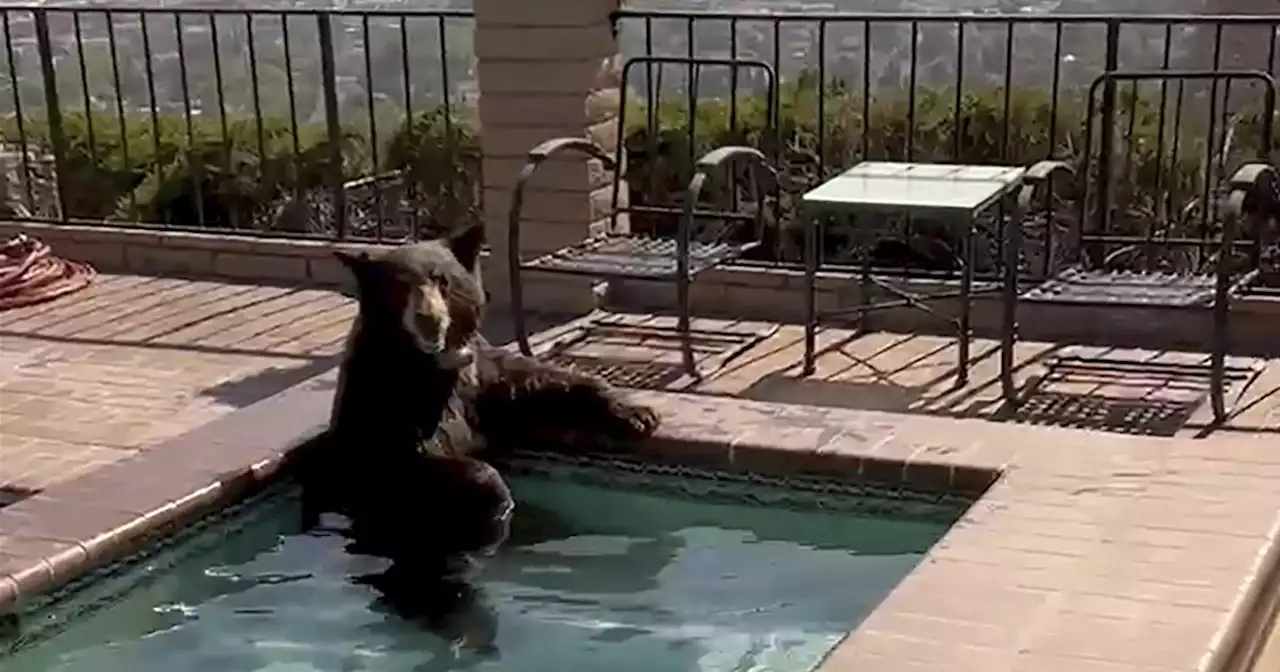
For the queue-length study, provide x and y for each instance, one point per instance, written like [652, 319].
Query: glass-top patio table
[957, 192]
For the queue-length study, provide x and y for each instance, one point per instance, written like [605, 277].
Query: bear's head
[428, 295]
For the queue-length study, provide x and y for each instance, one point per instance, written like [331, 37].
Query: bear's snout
[427, 318]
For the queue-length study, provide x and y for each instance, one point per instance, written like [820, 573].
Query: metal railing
[361, 123]
[254, 121]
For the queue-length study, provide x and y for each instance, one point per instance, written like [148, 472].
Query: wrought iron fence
[328, 123]
[361, 123]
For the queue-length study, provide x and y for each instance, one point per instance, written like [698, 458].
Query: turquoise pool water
[606, 569]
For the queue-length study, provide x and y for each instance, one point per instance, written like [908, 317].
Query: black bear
[422, 396]
[432, 514]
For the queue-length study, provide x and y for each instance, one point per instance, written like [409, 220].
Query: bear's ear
[466, 245]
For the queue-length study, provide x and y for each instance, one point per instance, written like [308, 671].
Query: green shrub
[659, 166]
[170, 173]
[234, 177]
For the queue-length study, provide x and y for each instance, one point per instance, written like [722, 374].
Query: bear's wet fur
[522, 403]
[422, 398]
[395, 394]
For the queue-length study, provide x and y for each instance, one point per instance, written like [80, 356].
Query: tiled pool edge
[53, 536]
[57, 534]
[1093, 552]
[1259, 629]
[1009, 588]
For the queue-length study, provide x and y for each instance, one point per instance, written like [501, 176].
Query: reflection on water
[591, 578]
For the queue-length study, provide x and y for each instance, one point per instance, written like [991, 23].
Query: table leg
[865, 287]
[811, 225]
[1011, 232]
[966, 303]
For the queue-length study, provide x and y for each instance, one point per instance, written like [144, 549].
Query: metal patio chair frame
[1251, 198]
[626, 256]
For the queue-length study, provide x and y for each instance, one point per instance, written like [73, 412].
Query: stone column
[546, 69]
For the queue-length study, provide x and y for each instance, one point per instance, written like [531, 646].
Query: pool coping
[1086, 551]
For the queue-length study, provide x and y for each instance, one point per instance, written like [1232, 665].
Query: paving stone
[1096, 551]
[131, 361]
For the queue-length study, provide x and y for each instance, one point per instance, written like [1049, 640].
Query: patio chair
[673, 257]
[1089, 278]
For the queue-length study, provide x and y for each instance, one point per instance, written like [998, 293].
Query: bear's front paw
[641, 421]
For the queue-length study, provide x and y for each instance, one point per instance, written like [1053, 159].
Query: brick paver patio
[134, 360]
[131, 361]
[91, 379]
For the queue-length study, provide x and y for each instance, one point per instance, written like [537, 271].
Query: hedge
[234, 177]
[155, 180]
[1144, 157]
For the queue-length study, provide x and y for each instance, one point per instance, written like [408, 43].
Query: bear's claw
[642, 421]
